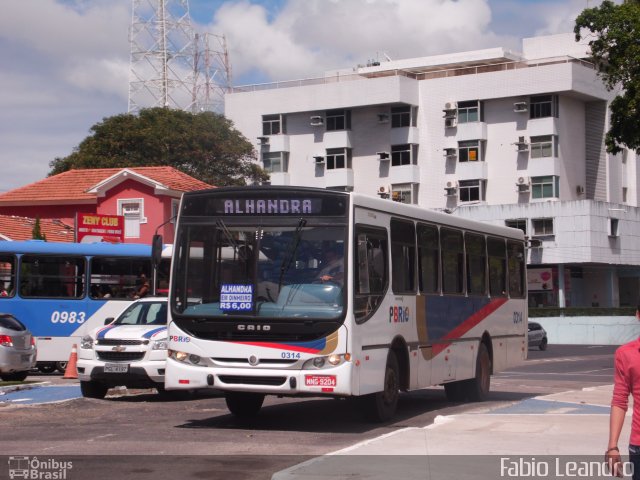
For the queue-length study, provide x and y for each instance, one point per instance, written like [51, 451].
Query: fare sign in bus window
[236, 297]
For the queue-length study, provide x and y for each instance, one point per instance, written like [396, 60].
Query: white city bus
[421, 298]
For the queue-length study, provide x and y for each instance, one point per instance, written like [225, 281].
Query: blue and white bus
[417, 298]
[61, 291]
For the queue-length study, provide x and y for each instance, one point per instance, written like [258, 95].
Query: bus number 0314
[67, 317]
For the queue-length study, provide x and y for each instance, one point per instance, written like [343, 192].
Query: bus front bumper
[330, 381]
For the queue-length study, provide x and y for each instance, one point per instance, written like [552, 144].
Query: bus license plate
[116, 367]
[320, 380]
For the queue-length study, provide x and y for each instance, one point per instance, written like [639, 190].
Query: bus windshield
[295, 270]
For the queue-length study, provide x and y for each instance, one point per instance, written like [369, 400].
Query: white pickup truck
[129, 351]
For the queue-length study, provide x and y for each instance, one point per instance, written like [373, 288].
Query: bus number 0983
[67, 317]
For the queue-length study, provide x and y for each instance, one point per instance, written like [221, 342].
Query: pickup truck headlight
[86, 342]
[160, 344]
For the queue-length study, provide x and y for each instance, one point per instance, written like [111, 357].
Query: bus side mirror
[108, 320]
[156, 249]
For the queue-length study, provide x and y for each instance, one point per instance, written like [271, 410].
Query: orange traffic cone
[72, 371]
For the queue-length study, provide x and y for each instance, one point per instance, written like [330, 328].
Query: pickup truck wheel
[46, 367]
[93, 389]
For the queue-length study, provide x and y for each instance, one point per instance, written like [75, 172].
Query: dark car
[17, 349]
[537, 336]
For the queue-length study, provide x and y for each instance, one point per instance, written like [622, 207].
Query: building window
[520, 223]
[276, 162]
[403, 116]
[272, 124]
[404, 193]
[338, 120]
[338, 158]
[469, 151]
[471, 190]
[404, 154]
[469, 112]
[613, 227]
[542, 226]
[132, 209]
[545, 187]
[543, 106]
[624, 194]
[543, 146]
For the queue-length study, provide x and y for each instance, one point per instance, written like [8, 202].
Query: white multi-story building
[494, 135]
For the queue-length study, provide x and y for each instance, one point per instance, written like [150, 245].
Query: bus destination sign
[271, 206]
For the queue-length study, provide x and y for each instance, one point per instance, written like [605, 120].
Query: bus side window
[516, 259]
[403, 256]
[497, 267]
[428, 258]
[452, 261]
[476, 264]
[371, 270]
[7, 276]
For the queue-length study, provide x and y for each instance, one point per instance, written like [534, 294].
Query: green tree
[36, 232]
[613, 32]
[204, 145]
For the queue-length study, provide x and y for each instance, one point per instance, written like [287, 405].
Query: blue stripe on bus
[444, 314]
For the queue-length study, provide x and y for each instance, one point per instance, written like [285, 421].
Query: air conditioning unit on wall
[316, 121]
[451, 190]
[523, 184]
[520, 107]
[383, 155]
[522, 145]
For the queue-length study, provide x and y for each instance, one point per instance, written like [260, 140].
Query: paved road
[298, 428]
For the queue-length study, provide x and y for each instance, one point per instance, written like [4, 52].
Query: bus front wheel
[244, 404]
[381, 406]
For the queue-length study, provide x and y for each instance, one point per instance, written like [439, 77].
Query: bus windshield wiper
[232, 241]
[291, 253]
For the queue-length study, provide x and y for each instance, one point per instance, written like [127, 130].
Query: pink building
[147, 197]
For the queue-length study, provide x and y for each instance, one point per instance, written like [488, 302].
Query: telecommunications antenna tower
[162, 72]
[212, 73]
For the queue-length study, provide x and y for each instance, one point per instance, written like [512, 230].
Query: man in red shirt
[626, 381]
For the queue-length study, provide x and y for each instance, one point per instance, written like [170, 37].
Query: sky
[65, 63]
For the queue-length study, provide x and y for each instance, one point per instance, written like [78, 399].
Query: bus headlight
[184, 357]
[86, 342]
[160, 344]
[329, 361]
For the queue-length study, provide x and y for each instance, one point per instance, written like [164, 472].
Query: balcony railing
[443, 73]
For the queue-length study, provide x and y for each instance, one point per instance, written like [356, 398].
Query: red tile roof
[73, 184]
[21, 228]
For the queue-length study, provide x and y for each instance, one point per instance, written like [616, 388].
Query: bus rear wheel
[244, 404]
[93, 389]
[381, 406]
[477, 389]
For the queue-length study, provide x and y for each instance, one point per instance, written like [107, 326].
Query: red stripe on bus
[469, 323]
[281, 346]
